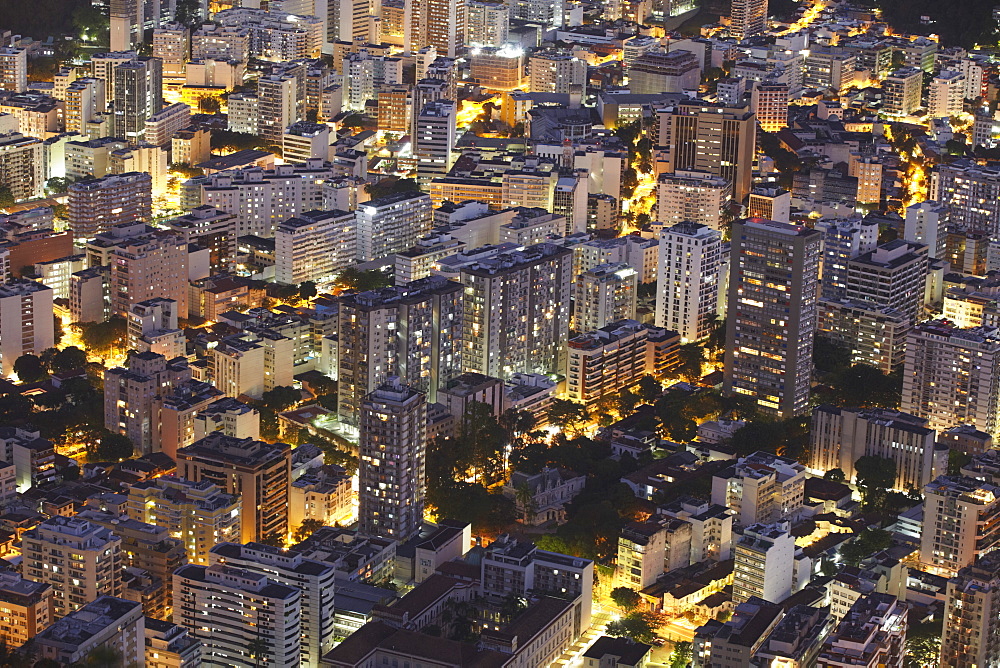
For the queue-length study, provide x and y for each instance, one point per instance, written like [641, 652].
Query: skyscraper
[712, 138]
[437, 23]
[961, 522]
[972, 616]
[748, 18]
[434, 139]
[951, 376]
[391, 472]
[516, 313]
[413, 331]
[773, 295]
[687, 280]
[138, 95]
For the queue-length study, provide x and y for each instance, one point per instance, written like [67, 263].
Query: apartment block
[259, 472]
[605, 361]
[961, 522]
[761, 489]
[26, 324]
[81, 560]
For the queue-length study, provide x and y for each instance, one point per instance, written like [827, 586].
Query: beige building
[972, 609]
[259, 472]
[961, 522]
[66, 545]
[25, 609]
[200, 514]
[605, 361]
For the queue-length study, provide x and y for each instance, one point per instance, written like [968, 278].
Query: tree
[568, 414]
[103, 337]
[6, 196]
[649, 389]
[524, 497]
[355, 280]
[280, 398]
[258, 649]
[68, 359]
[923, 644]
[874, 477]
[187, 12]
[113, 447]
[692, 357]
[307, 290]
[681, 656]
[639, 626]
[865, 386]
[625, 598]
[956, 461]
[626, 402]
[29, 369]
[274, 539]
[306, 529]
[865, 544]
[104, 656]
[835, 475]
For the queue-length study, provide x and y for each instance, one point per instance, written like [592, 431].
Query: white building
[604, 294]
[434, 139]
[228, 609]
[392, 224]
[109, 622]
[26, 324]
[688, 277]
[946, 96]
[927, 224]
[697, 197]
[314, 579]
[761, 489]
[313, 246]
[765, 563]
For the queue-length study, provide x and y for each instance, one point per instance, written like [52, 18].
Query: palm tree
[257, 648]
[525, 499]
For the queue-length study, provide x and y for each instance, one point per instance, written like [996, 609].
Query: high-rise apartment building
[313, 246]
[26, 324]
[200, 514]
[773, 295]
[172, 45]
[149, 267]
[109, 622]
[81, 561]
[769, 101]
[231, 610]
[971, 193]
[516, 311]
[281, 100]
[748, 18]
[765, 563]
[259, 472]
[927, 223]
[972, 616]
[604, 294]
[843, 240]
[842, 436]
[434, 139]
[392, 224]
[950, 376]
[13, 69]
[138, 95]
[437, 23]
[687, 279]
[761, 489]
[392, 467]
[695, 197]
[556, 72]
[130, 406]
[314, 580]
[893, 275]
[961, 522]
[25, 609]
[486, 23]
[602, 362]
[127, 23]
[902, 91]
[657, 71]
[412, 331]
[97, 205]
[85, 100]
[22, 165]
[714, 139]
[771, 203]
[946, 95]
[217, 42]
[103, 67]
